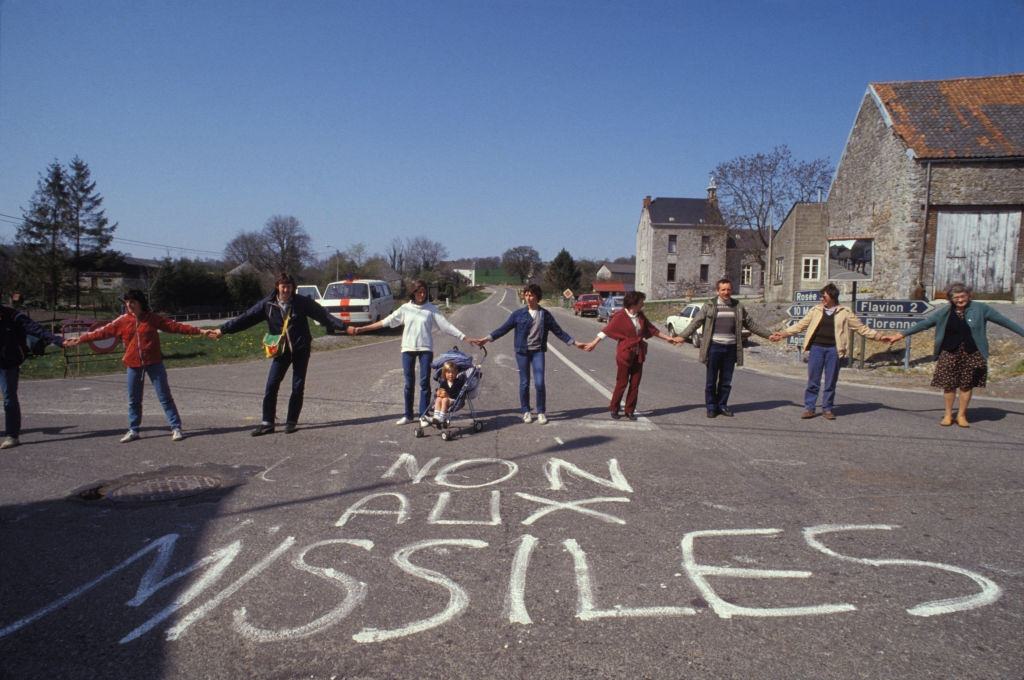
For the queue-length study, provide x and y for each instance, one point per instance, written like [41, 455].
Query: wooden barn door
[978, 248]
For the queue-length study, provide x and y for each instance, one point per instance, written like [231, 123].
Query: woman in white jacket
[420, 317]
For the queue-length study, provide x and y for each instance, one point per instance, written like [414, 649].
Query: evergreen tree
[563, 273]
[42, 233]
[88, 230]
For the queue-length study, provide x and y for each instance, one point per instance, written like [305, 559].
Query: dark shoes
[290, 427]
[631, 416]
[807, 414]
[725, 411]
[614, 414]
[262, 429]
[712, 413]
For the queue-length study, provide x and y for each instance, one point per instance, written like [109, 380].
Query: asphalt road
[878, 545]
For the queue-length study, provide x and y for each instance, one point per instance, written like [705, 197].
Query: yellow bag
[272, 344]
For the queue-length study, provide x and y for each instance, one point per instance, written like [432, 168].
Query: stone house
[680, 246]
[933, 173]
[742, 264]
[797, 254]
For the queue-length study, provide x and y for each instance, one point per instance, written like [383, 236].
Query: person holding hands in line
[723, 320]
[828, 327]
[287, 315]
[15, 327]
[532, 324]
[420, 317]
[961, 344]
[631, 328]
[139, 329]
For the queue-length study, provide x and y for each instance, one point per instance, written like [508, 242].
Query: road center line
[601, 389]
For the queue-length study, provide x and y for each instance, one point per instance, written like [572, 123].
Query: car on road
[586, 304]
[609, 306]
[359, 300]
[677, 323]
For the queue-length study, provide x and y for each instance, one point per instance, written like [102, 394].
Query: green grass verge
[178, 350]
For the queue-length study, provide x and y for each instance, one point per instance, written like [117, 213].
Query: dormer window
[671, 219]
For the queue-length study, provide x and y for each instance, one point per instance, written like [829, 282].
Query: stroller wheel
[445, 435]
[477, 426]
[419, 432]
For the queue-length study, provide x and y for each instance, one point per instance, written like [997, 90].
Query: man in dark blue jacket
[15, 327]
[296, 344]
[532, 324]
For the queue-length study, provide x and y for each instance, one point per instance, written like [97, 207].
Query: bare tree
[521, 261]
[396, 254]
[247, 246]
[288, 244]
[423, 255]
[755, 192]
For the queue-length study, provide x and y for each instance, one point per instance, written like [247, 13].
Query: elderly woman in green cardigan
[961, 344]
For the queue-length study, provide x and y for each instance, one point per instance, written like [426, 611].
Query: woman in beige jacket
[827, 328]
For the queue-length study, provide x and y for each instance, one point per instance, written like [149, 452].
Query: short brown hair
[535, 289]
[284, 277]
[632, 297]
[832, 290]
[722, 280]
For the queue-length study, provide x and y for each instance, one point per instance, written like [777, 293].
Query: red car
[586, 304]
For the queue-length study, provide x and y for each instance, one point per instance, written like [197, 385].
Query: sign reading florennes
[891, 307]
[890, 323]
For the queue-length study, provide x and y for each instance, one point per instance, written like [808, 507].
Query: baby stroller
[473, 374]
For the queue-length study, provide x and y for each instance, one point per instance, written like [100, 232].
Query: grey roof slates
[683, 211]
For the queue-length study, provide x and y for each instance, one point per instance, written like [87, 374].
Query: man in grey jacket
[723, 320]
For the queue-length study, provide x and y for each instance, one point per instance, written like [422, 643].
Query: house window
[672, 245]
[705, 245]
[747, 275]
[671, 274]
[811, 270]
[704, 273]
[778, 270]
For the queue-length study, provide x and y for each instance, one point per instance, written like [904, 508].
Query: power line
[11, 219]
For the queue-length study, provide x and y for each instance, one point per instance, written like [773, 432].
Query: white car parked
[677, 323]
[359, 301]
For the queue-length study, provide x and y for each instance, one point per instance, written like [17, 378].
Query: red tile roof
[962, 118]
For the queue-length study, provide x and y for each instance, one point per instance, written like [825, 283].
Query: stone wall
[802, 234]
[877, 193]
[688, 259]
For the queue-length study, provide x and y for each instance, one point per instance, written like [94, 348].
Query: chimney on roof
[712, 191]
[647, 202]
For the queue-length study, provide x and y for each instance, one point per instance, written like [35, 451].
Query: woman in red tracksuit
[138, 330]
[631, 329]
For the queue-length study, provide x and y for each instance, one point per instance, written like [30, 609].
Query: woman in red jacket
[138, 330]
[631, 328]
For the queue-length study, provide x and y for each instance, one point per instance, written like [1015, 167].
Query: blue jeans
[12, 409]
[409, 361]
[718, 377]
[158, 376]
[534, 360]
[299, 362]
[821, 359]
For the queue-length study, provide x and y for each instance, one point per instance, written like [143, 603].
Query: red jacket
[140, 337]
[632, 346]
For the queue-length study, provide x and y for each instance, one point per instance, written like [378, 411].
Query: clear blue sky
[480, 124]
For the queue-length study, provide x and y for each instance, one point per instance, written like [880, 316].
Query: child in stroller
[458, 380]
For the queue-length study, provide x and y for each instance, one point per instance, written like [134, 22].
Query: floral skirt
[960, 370]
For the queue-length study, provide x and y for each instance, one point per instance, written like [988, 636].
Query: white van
[359, 300]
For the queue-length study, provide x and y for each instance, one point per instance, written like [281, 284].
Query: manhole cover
[165, 488]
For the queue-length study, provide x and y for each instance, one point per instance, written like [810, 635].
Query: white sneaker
[542, 419]
[177, 435]
[403, 421]
[130, 436]
[527, 418]
[9, 443]
[424, 421]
